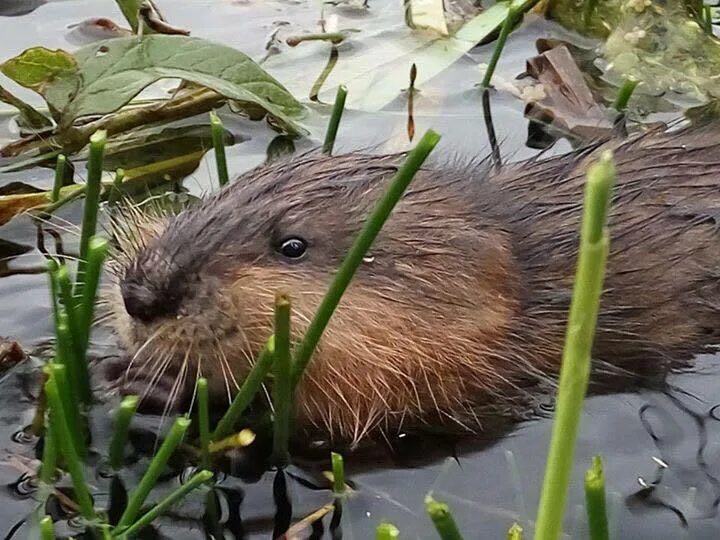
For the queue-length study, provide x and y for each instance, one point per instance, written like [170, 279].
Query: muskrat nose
[146, 304]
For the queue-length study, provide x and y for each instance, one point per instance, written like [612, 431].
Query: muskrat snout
[145, 303]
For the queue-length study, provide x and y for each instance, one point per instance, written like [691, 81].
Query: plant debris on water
[609, 66]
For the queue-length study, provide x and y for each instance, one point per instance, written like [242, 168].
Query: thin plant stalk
[575, 368]
[123, 418]
[353, 259]
[59, 424]
[153, 472]
[512, 17]
[60, 165]
[247, 392]
[74, 420]
[337, 112]
[595, 504]
[92, 201]
[515, 532]
[624, 94]
[707, 19]
[47, 529]
[71, 340]
[97, 251]
[218, 138]
[443, 520]
[204, 421]
[282, 385]
[338, 470]
[49, 457]
[387, 531]
[241, 439]
[178, 494]
[116, 191]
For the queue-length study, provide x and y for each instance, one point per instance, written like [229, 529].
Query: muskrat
[458, 312]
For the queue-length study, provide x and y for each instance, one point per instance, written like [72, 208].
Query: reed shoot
[154, 470]
[247, 392]
[97, 251]
[624, 94]
[116, 191]
[47, 529]
[123, 418]
[238, 440]
[92, 201]
[178, 494]
[58, 423]
[282, 386]
[575, 368]
[387, 531]
[337, 112]
[304, 351]
[49, 457]
[442, 519]
[203, 421]
[218, 138]
[514, 12]
[595, 500]
[515, 532]
[71, 408]
[338, 470]
[60, 165]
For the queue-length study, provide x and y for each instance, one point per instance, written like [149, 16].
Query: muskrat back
[457, 314]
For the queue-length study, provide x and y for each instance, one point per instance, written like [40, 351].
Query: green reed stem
[354, 257]
[337, 112]
[47, 530]
[247, 392]
[282, 385]
[595, 500]
[387, 531]
[512, 16]
[117, 189]
[71, 407]
[52, 268]
[97, 251]
[60, 165]
[442, 519]
[515, 532]
[92, 202]
[178, 494]
[241, 439]
[338, 470]
[218, 138]
[123, 418]
[153, 472]
[71, 338]
[59, 424]
[49, 457]
[575, 368]
[624, 94]
[204, 421]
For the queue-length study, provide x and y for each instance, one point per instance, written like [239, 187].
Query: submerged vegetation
[93, 112]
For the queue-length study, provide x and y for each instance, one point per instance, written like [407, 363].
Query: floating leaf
[36, 67]
[112, 72]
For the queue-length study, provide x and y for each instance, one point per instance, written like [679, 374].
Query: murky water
[661, 450]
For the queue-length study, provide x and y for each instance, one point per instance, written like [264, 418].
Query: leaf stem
[353, 259]
[624, 94]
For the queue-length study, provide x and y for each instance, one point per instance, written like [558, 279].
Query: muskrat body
[459, 312]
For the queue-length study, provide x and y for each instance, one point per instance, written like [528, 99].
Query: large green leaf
[36, 67]
[112, 72]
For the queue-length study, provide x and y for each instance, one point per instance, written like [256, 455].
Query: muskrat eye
[293, 248]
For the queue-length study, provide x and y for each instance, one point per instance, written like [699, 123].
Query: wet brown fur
[459, 312]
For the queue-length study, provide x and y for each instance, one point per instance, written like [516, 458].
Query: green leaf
[129, 10]
[30, 117]
[36, 67]
[112, 72]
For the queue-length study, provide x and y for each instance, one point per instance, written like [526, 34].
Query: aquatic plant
[595, 500]
[443, 519]
[337, 111]
[575, 367]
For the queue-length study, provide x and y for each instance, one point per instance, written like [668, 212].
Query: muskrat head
[418, 331]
